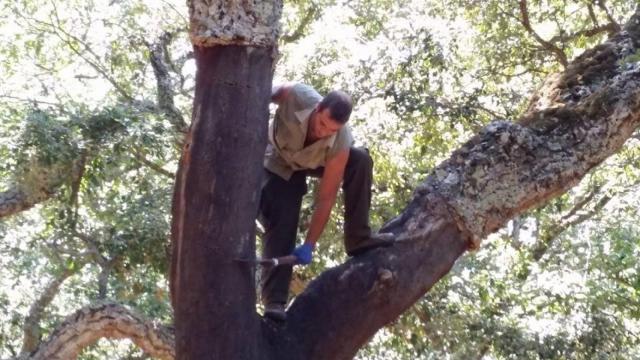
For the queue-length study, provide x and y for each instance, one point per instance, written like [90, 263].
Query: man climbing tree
[309, 136]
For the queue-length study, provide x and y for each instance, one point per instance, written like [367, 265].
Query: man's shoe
[275, 311]
[373, 242]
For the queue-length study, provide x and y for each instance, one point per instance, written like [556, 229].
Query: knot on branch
[385, 279]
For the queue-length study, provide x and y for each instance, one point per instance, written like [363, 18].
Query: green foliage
[76, 99]
[78, 88]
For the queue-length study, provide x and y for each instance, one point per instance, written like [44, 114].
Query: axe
[276, 261]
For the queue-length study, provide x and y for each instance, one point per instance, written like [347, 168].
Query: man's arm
[326, 196]
[280, 92]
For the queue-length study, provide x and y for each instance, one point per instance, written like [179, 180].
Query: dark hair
[339, 105]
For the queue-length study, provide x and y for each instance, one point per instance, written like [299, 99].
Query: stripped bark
[215, 195]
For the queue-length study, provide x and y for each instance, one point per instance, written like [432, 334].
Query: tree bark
[215, 204]
[112, 321]
[38, 184]
[217, 187]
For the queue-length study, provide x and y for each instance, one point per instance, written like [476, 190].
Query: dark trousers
[280, 204]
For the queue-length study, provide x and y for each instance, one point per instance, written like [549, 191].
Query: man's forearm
[319, 220]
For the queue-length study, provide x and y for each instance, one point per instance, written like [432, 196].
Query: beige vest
[286, 152]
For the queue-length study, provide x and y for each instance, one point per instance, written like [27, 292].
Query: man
[309, 136]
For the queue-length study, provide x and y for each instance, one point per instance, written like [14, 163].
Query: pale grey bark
[38, 184]
[247, 23]
[112, 321]
[579, 118]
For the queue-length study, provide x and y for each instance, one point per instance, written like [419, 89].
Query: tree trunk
[217, 188]
[216, 200]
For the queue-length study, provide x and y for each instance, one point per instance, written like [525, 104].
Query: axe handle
[285, 260]
[282, 260]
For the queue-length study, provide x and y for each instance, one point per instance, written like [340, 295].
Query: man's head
[339, 105]
[330, 115]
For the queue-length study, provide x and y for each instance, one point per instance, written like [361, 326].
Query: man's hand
[304, 253]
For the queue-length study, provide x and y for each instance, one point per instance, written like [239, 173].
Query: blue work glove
[304, 253]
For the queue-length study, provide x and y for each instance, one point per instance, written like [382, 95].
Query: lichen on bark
[577, 119]
[234, 22]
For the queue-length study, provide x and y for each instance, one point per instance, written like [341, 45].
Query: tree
[109, 247]
[577, 119]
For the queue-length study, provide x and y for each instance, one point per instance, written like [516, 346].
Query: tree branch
[603, 7]
[58, 30]
[140, 158]
[112, 321]
[500, 173]
[592, 15]
[609, 28]
[304, 23]
[566, 222]
[31, 327]
[37, 185]
[164, 85]
[556, 51]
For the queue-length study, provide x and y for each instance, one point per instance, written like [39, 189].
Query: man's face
[323, 125]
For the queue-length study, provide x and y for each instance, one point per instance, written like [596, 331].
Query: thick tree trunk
[217, 187]
[215, 204]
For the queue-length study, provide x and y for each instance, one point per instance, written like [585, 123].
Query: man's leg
[358, 179]
[279, 213]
